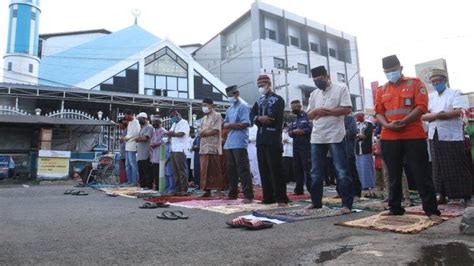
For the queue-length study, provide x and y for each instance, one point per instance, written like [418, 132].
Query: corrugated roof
[84, 61]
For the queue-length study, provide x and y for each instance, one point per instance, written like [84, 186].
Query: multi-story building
[267, 39]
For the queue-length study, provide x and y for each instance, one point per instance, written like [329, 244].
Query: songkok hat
[438, 72]
[319, 71]
[208, 101]
[231, 89]
[263, 78]
[390, 61]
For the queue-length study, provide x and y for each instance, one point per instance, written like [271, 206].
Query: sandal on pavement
[257, 224]
[237, 222]
[167, 216]
[152, 205]
[79, 193]
[68, 192]
[180, 215]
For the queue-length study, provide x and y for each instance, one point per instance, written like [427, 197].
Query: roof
[75, 65]
[58, 34]
[32, 119]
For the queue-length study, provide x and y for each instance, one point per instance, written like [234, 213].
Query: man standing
[143, 151]
[300, 131]
[350, 139]
[237, 121]
[133, 129]
[328, 105]
[451, 170]
[123, 154]
[210, 149]
[252, 151]
[156, 142]
[268, 116]
[399, 105]
[287, 160]
[179, 133]
[365, 162]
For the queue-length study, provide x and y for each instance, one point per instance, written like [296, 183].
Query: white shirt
[451, 129]
[180, 144]
[253, 134]
[287, 147]
[329, 129]
[133, 129]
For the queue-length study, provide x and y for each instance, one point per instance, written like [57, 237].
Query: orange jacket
[395, 101]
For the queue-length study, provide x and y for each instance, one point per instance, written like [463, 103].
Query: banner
[53, 164]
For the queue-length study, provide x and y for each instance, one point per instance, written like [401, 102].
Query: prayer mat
[405, 224]
[129, 192]
[174, 199]
[450, 210]
[229, 209]
[258, 195]
[201, 204]
[365, 204]
[297, 214]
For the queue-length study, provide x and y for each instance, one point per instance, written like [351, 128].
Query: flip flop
[167, 216]
[180, 215]
[237, 223]
[68, 192]
[111, 194]
[80, 193]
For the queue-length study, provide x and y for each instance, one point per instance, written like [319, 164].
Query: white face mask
[205, 109]
[262, 90]
[165, 139]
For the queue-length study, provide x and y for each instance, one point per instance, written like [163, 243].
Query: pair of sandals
[154, 205]
[250, 224]
[169, 215]
[76, 192]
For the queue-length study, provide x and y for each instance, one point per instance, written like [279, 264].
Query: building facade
[267, 39]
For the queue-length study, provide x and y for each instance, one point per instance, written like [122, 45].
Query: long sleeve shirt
[133, 130]
[351, 132]
[272, 106]
[302, 122]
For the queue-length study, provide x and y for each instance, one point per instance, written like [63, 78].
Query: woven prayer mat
[450, 210]
[229, 209]
[258, 195]
[297, 214]
[365, 204]
[200, 204]
[174, 199]
[405, 224]
[129, 192]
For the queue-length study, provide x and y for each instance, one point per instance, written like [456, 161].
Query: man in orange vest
[399, 105]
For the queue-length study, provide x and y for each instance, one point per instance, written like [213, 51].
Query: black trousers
[238, 166]
[355, 176]
[302, 169]
[270, 166]
[156, 175]
[287, 169]
[145, 173]
[416, 154]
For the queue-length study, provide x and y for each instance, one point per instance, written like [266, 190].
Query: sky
[416, 30]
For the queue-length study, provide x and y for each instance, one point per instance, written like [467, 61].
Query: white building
[285, 46]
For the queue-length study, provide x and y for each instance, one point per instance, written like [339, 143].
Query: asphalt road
[40, 225]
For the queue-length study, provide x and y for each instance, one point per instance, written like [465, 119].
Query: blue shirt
[302, 122]
[237, 138]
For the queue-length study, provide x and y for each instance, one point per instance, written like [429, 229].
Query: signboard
[4, 163]
[53, 164]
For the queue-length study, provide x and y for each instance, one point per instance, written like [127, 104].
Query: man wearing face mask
[300, 131]
[451, 173]
[179, 133]
[327, 106]
[399, 105]
[268, 116]
[210, 149]
[237, 121]
[143, 151]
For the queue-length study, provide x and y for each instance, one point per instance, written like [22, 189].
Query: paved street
[40, 225]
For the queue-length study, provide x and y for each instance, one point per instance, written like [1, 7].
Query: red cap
[263, 78]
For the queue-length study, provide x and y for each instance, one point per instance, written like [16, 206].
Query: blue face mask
[440, 87]
[321, 84]
[232, 100]
[394, 76]
[174, 119]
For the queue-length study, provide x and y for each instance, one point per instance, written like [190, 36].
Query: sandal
[79, 193]
[237, 222]
[152, 205]
[167, 216]
[68, 192]
[180, 215]
[257, 224]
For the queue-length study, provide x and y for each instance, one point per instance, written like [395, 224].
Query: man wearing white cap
[143, 151]
[133, 129]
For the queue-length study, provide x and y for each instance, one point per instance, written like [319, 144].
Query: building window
[303, 69]
[341, 77]
[10, 66]
[30, 68]
[314, 47]
[294, 41]
[15, 13]
[278, 62]
[332, 52]
[33, 16]
[270, 34]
